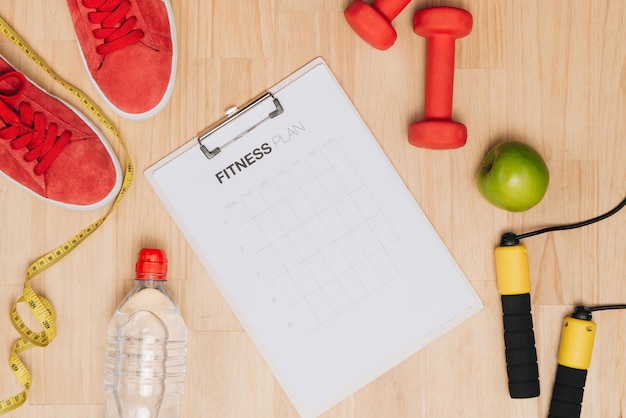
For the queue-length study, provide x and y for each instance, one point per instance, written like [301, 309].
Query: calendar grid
[328, 244]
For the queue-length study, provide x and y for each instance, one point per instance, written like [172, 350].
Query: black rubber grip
[567, 395]
[519, 342]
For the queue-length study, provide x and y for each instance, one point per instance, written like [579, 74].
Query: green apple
[513, 176]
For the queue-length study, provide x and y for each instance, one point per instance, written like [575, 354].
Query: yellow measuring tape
[41, 308]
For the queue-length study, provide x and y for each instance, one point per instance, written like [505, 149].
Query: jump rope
[577, 335]
[40, 307]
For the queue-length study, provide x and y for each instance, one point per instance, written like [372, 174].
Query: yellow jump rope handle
[513, 279]
[574, 358]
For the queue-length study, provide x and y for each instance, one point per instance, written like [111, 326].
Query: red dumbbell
[373, 22]
[441, 26]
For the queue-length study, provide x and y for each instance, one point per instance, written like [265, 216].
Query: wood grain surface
[551, 73]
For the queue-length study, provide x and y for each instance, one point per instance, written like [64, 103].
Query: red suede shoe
[50, 149]
[129, 49]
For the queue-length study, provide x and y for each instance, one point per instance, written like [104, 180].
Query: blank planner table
[320, 250]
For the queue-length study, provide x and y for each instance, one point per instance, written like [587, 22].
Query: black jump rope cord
[575, 225]
[579, 225]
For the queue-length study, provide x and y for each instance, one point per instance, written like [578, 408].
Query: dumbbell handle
[439, 83]
[390, 8]
[513, 281]
[574, 357]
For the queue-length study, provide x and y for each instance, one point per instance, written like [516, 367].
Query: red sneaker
[50, 149]
[129, 49]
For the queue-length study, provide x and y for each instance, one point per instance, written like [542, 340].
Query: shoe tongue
[12, 85]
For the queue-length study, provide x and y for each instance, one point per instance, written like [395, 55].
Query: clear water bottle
[144, 373]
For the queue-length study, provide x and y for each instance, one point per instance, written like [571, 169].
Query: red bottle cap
[151, 264]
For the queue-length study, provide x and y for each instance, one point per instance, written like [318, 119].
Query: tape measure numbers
[39, 307]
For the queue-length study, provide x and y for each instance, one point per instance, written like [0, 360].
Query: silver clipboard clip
[231, 115]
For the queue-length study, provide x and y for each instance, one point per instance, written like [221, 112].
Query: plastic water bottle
[144, 373]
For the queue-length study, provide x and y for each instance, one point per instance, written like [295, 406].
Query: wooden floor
[551, 73]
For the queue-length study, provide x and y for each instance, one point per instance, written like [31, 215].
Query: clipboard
[314, 241]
